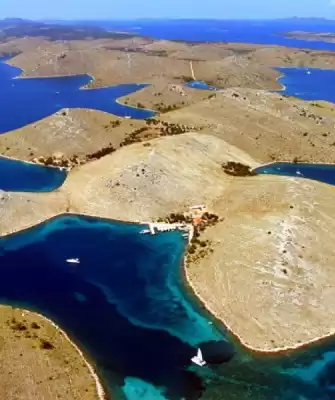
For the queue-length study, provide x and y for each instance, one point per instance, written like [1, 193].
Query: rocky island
[312, 36]
[271, 246]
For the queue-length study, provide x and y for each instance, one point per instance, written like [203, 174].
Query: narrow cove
[27, 100]
[319, 172]
[20, 176]
[123, 303]
[126, 306]
[310, 84]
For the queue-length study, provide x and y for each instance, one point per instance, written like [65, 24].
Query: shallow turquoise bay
[125, 304]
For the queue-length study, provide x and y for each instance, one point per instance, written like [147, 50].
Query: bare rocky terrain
[152, 180]
[71, 132]
[266, 125]
[270, 275]
[262, 272]
[38, 362]
[243, 113]
[262, 255]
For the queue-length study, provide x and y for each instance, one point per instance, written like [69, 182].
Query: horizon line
[166, 19]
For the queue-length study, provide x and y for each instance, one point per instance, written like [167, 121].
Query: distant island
[312, 36]
[15, 27]
[251, 256]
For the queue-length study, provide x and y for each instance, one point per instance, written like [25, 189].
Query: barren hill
[265, 255]
[265, 125]
[262, 254]
[153, 179]
[172, 173]
[38, 362]
[271, 276]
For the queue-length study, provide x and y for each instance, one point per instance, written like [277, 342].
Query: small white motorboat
[299, 173]
[73, 261]
[198, 359]
[308, 72]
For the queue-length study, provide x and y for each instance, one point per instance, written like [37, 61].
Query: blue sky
[109, 9]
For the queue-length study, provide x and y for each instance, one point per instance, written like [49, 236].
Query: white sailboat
[73, 261]
[198, 359]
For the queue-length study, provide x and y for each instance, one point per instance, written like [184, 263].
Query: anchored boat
[73, 261]
[198, 359]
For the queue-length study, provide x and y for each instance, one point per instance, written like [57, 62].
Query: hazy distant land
[312, 36]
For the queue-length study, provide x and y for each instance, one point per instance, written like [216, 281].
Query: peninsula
[261, 253]
[39, 362]
[271, 221]
[312, 36]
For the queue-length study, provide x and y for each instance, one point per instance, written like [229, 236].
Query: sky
[130, 9]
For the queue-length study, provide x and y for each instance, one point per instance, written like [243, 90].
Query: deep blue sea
[27, 100]
[308, 83]
[244, 31]
[318, 172]
[19, 176]
[125, 305]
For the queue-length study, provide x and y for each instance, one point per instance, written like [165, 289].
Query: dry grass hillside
[266, 125]
[38, 362]
[22, 210]
[262, 272]
[152, 180]
[270, 277]
[262, 255]
[161, 63]
[71, 132]
[171, 174]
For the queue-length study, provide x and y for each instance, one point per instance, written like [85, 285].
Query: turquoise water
[318, 172]
[307, 83]
[200, 85]
[19, 176]
[124, 304]
[27, 100]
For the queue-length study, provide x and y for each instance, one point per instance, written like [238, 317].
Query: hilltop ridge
[263, 237]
